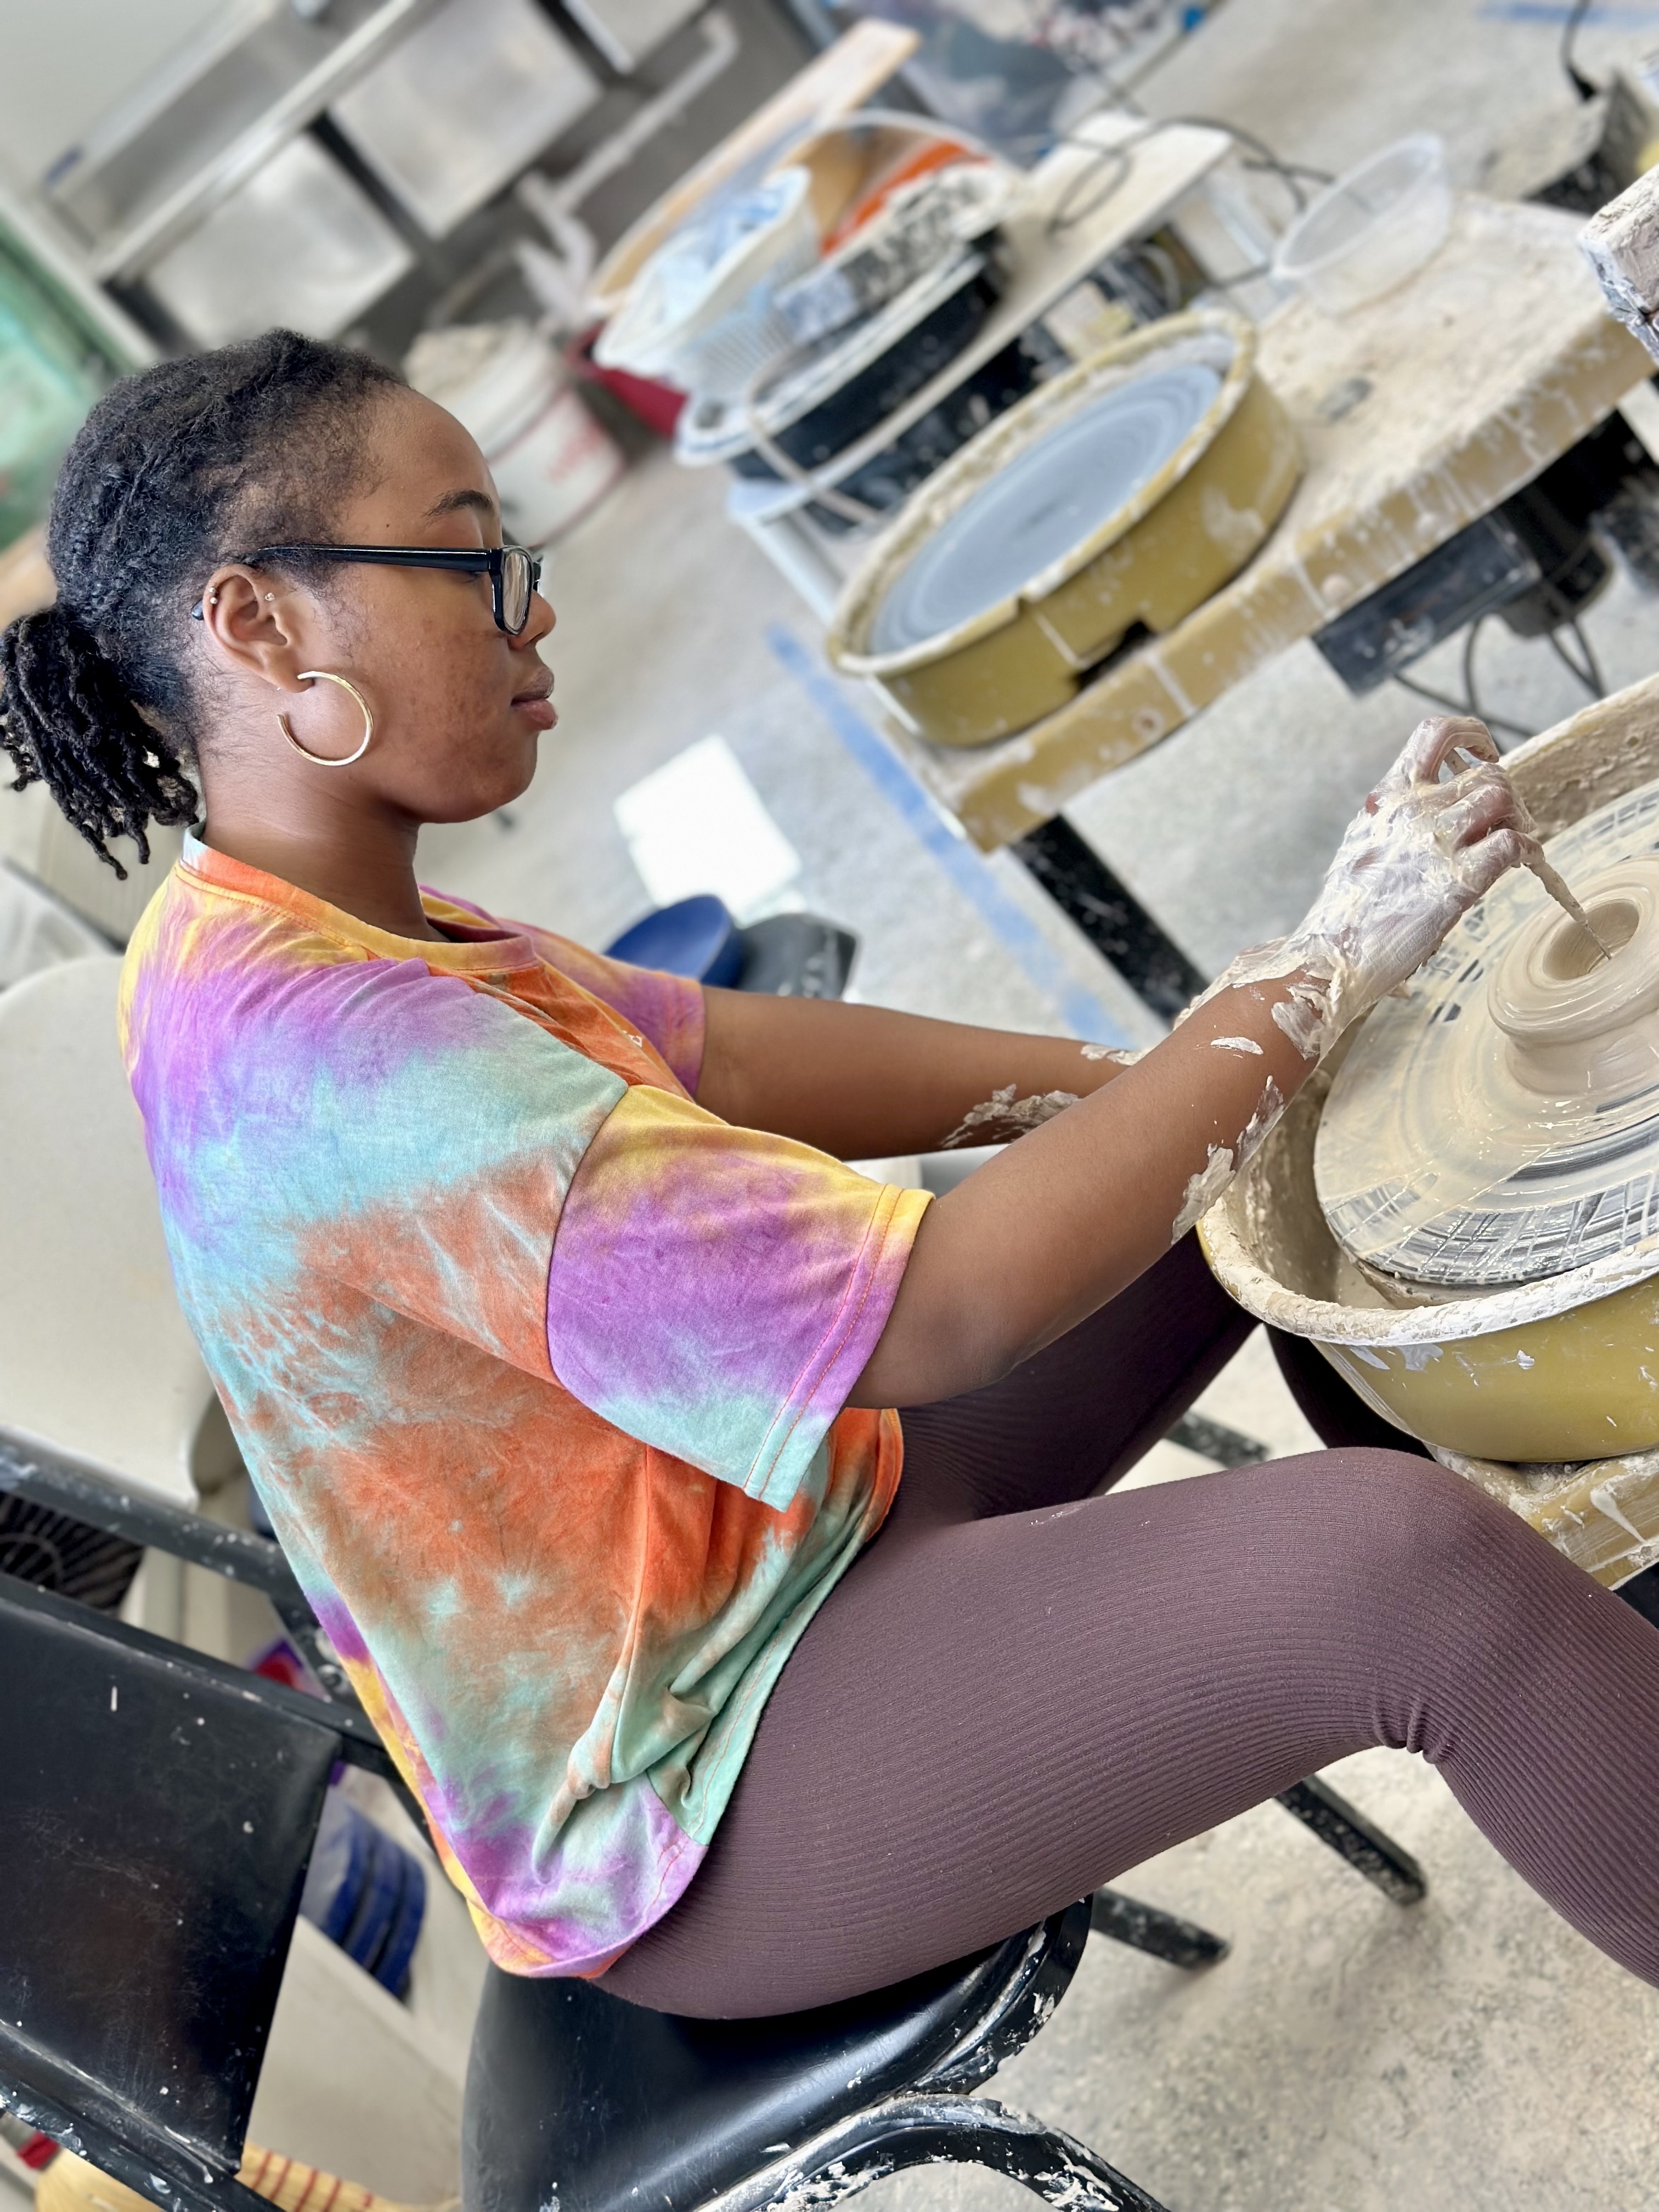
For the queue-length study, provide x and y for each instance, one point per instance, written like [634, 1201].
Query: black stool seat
[574, 2094]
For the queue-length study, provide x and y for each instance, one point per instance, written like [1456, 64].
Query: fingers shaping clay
[1499, 1122]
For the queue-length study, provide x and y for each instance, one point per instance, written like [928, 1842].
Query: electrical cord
[1590, 661]
[1570, 30]
[1066, 214]
[1162, 265]
[1266, 157]
[1469, 690]
[1493, 722]
[1566, 660]
[826, 495]
[1589, 675]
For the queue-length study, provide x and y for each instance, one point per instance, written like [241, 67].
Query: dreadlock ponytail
[67, 721]
[105, 698]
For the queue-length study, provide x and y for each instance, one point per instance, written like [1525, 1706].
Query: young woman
[564, 1352]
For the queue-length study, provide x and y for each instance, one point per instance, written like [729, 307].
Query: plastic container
[506, 383]
[695, 937]
[700, 314]
[1371, 229]
[742, 346]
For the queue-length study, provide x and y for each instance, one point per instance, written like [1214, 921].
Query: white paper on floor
[698, 824]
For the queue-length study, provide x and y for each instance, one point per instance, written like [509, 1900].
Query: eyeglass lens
[515, 589]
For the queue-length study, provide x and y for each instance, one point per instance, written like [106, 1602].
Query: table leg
[789, 544]
[1110, 916]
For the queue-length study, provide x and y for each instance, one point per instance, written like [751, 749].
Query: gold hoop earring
[317, 760]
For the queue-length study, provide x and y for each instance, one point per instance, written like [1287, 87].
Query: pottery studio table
[1418, 414]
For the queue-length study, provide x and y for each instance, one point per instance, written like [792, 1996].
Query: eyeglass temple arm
[479, 560]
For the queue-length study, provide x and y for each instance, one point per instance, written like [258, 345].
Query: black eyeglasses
[514, 574]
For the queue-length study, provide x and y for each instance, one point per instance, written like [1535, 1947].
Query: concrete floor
[1470, 2052]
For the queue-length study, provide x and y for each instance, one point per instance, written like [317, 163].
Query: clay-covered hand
[1416, 858]
[1418, 855]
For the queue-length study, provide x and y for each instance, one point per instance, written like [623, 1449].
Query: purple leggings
[1022, 1688]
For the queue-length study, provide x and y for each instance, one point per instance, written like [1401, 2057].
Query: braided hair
[175, 470]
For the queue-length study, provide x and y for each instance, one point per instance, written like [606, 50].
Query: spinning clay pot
[1461, 1207]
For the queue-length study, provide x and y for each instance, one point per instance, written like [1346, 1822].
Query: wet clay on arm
[1071, 1214]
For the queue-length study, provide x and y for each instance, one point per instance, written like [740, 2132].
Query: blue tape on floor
[1086, 1015]
[1557, 11]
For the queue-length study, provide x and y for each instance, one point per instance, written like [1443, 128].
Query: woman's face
[458, 706]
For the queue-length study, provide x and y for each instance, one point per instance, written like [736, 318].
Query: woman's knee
[1405, 1531]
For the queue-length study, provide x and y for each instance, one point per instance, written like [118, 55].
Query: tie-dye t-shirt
[538, 1366]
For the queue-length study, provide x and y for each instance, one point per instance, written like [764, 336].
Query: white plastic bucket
[551, 460]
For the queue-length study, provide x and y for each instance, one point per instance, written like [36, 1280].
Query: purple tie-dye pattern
[406, 1188]
[670, 1354]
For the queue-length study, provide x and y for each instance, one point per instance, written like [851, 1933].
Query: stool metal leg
[1161, 1935]
[1367, 1849]
[920, 2130]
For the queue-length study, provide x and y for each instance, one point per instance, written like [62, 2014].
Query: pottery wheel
[712, 430]
[1046, 500]
[1500, 1121]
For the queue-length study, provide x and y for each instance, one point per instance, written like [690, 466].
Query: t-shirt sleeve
[717, 1291]
[666, 1010]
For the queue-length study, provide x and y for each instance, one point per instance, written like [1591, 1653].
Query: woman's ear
[248, 625]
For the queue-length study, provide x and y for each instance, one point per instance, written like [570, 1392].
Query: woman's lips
[535, 701]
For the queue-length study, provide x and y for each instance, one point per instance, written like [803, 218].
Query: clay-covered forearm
[1062, 1221]
[1023, 1250]
[865, 1082]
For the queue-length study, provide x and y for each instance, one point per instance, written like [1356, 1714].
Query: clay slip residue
[1003, 1116]
[1226, 1161]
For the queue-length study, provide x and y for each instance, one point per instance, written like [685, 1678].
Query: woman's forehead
[428, 468]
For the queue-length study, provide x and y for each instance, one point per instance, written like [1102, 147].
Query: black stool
[574, 2095]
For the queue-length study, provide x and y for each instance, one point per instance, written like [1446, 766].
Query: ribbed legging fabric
[1020, 1689]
